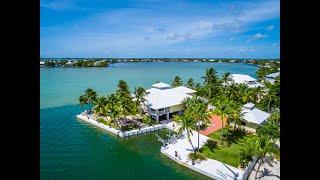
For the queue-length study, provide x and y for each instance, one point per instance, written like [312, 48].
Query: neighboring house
[70, 63]
[245, 79]
[272, 77]
[42, 63]
[162, 101]
[253, 117]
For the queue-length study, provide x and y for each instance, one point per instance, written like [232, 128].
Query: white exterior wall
[176, 108]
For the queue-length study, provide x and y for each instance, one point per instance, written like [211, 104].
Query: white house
[163, 101]
[245, 79]
[272, 77]
[253, 117]
[42, 63]
[70, 63]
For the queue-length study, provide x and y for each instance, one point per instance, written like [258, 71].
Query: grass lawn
[229, 153]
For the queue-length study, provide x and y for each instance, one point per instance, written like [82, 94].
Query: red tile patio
[216, 124]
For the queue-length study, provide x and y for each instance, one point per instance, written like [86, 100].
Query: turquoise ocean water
[72, 149]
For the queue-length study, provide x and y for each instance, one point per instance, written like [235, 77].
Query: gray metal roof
[273, 75]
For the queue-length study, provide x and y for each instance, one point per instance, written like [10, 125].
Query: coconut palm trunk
[228, 129]
[269, 102]
[198, 139]
[188, 134]
[221, 128]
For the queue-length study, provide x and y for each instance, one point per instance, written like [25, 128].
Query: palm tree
[256, 93]
[197, 110]
[236, 115]
[139, 94]
[265, 146]
[249, 149]
[187, 125]
[272, 97]
[125, 100]
[210, 81]
[225, 78]
[123, 88]
[247, 96]
[113, 108]
[190, 83]
[222, 109]
[176, 82]
[100, 105]
[83, 100]
[261, 73]
[232, 91]
[201, 115]
[89, 98]
[274, 118]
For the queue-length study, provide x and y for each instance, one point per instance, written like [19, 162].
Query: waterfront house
[70, 63]
[252, 116]
[245, 79]
[272, 77]
[42, 63]
[163, 101]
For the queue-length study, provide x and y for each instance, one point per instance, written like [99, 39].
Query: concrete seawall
[122, 133]
[210, 167]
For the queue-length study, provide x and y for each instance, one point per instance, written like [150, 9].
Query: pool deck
[211, 168]
[215, 125]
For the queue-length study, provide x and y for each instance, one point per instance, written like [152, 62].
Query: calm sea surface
[72, 149]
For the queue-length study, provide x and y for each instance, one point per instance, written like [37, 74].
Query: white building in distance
[163, 101]
[245, 79]
[272, 77]
[253, 117]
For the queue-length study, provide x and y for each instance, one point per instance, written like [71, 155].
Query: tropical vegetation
[115, 108]
[232, 144]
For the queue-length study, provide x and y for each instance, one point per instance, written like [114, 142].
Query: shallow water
[73, 149]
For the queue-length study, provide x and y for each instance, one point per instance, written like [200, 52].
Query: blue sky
[154, 28]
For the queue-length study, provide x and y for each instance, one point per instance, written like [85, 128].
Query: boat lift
[164, 142]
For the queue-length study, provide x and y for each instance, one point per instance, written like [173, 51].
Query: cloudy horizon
[152, 28]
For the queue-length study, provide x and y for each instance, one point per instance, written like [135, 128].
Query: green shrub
[101, 120]
[147, 120]
[195, 156]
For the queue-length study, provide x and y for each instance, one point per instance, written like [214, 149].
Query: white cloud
[275, 44]
[269, 28]
[141, 28]
[256, 37]
[246, 49]
[55, 5]
[177, 36]
[259, 36]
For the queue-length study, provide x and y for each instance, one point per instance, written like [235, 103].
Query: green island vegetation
[104, 62]
[233, 144]
[78, 63]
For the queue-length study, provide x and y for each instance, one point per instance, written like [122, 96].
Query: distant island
[78, 63]
[104, 62]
